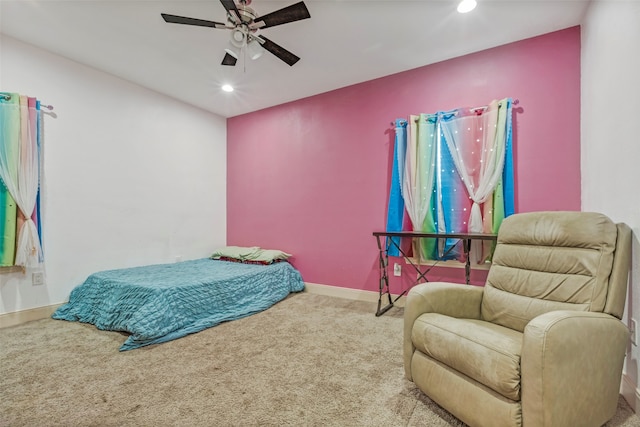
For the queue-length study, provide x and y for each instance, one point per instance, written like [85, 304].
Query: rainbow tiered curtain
[20, 143]
[425, 141]
[459, 165]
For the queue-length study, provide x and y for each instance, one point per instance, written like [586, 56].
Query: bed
[159, 303]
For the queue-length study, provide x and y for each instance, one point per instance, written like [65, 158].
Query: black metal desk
[465, 238]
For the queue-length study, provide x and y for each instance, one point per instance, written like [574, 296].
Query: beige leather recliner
[541, 344]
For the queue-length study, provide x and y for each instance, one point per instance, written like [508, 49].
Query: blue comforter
[159, 303]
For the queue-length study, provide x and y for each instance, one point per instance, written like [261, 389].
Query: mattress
[159, 303]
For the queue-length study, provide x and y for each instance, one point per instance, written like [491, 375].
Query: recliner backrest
[546, 261]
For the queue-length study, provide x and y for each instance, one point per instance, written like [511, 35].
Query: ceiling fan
[244, 24]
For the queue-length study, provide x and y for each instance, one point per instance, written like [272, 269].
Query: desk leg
[383, 257]
[384, 278]
[466, 244]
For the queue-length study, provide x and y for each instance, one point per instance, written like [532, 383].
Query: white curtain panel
[477, 145]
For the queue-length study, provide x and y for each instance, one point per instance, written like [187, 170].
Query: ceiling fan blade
[292, 13]
[174, 19]
[279, 51]
[232, 9]
[229, 60]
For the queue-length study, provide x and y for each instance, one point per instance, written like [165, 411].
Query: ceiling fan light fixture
[467, 6]
[238, 37]
[254, 49]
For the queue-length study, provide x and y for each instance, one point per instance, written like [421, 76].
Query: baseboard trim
[348, 293]
[24, 316]
[630, 392]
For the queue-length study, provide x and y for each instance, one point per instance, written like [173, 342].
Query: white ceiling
[345, 42]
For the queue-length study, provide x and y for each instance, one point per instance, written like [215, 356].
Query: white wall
[131, 177]
[610, 135]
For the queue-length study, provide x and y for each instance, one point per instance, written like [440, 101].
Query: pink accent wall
[311, 177]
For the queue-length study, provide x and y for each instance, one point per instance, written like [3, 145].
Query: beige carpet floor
[308, 361]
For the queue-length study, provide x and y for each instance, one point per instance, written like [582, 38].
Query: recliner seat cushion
[488, 353]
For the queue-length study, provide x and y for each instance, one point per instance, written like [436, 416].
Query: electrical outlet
[37, 278]
[397, 269]
[634, 332]
[178, 258]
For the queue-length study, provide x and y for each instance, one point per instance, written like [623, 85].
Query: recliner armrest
[571, 368]
[450, 299]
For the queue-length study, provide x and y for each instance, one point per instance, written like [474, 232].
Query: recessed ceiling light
[227, 88]
[466, 6]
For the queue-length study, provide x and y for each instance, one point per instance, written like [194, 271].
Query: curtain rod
[484, 107]
[455, 113]
[8, 98]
